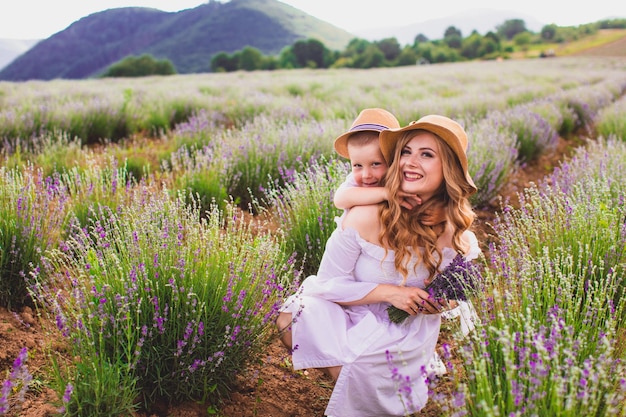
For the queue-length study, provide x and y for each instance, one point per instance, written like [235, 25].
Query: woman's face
[421, 166]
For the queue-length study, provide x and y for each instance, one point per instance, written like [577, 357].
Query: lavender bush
[611, 120]
[265, 150]
[17, 382]
[492, 157]
[587, 100]
[201, 175]
[100, 183]
[305, 211]
[535, 136]
[548, 341]
[173, 304]
[31, 215]
[525, 366]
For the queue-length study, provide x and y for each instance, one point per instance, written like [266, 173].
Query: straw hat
[374, 119]
[447, 129]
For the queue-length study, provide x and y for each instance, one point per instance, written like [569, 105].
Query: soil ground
[270, 387]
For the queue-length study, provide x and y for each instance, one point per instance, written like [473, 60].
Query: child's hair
[362, 138]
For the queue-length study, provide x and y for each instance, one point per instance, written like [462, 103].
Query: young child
[360, 145]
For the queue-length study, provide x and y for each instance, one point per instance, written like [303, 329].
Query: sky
[39, 19]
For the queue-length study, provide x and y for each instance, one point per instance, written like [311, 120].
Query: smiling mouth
[412, 176]
[370, 184]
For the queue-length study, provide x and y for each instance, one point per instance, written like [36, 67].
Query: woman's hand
[415, 301]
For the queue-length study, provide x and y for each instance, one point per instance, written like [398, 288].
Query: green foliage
[178, 304]
[548, 32]
[223, 62]
[141, 66]
[549, 321]
[250, 59]
[522, 39]
[510, 28]
[310, 53]
[95, 387]
[31, 213]
[611, 120]
[53, 152]
[361, 53]
[202, 176]
[304, 208]
[95, 186]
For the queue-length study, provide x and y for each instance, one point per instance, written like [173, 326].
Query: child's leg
[283, 323]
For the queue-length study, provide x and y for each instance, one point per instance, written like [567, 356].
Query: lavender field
[156, 224]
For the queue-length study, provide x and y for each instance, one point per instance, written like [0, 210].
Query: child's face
[368, 164]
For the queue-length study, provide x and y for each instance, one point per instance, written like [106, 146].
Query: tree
[523, 40]
[494, 37]
[140, 66]
[224, 62]
[310, 53]
[251, 59]
[390, 47]
[372, 57]
[471, 45]
[511, 27]
[357, 46]
[453, 37]
[407, 56]
[452, 31]
[548, 32]
[421, 38]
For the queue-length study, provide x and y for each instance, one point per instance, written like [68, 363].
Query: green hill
[188, 38]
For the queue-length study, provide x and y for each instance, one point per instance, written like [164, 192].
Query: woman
[338, 320]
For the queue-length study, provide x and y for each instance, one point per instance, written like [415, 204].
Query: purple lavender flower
[455, 282]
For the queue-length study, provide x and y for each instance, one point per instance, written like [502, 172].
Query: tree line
[361, 53]
[453, 47]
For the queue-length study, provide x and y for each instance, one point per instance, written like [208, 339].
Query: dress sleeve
[474, 249]
[335, 279]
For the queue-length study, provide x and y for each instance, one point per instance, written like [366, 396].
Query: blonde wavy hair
[404, 231]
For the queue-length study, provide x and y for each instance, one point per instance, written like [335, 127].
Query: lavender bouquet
[455, 282]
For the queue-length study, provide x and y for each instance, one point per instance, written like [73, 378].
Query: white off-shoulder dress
[383, 363]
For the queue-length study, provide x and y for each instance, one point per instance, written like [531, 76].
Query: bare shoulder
[365, 220]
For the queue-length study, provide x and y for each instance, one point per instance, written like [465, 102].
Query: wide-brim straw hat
[374, 119]
[447, 129]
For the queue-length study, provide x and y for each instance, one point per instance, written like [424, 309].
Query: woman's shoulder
[365, 220]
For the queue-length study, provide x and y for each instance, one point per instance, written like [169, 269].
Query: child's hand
[408, 201]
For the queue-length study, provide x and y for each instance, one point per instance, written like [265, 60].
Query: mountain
[481, 20]
[12, 48]
[188, 38]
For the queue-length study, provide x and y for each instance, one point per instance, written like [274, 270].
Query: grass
[586, 44]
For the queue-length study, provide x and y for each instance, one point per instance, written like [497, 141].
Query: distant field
[612, 48]
[607, 42]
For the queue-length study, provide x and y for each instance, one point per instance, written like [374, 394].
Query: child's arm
[348, 197]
